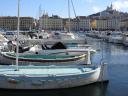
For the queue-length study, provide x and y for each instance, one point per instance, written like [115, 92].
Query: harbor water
[116, 56]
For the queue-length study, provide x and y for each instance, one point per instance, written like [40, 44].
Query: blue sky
[59, 7]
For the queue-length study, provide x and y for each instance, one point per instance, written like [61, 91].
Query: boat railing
[39, 75]
[12, 67]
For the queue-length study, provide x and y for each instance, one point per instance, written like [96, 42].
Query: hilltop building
[108, 19]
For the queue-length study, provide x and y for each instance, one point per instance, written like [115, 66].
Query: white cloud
[120, 4]
[96, 9]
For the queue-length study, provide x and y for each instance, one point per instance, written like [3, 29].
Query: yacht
[115, 37]
[125, 39]
[3, 41]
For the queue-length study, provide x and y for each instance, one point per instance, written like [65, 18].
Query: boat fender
[14, 81]
[79, 77]
[36, 53]
[23, 76]
[51, 75]
[59, 80]
[36, 83]
[42, 81]
[66, 79]
[50, 80]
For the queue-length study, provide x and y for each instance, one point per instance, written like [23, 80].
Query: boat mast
[40, 18]
[40, 21]
[77, 18]
[17, 44]
[69, 20]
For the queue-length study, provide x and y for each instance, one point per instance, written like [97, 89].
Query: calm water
[116, 56]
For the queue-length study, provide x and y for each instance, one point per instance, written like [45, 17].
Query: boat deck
[44, 70]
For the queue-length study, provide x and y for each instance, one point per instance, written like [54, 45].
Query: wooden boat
[43, 55]
[49, 77]
[50, 58]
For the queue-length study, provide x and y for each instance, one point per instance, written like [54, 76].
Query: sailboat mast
[40, 22]
[69, 20]
[17, 44]
[40, 18]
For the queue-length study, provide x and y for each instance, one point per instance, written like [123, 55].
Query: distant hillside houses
[108, 19]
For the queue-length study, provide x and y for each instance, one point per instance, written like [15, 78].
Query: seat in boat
[58, 45]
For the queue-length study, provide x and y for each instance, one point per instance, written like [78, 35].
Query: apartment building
[51, 23]
[80, 23]
[10, 23]
[124, 24]
[105, 24]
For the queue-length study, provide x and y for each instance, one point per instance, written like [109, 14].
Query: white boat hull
[125, 39]
[115, 40]
[8, 81]
[125, 42]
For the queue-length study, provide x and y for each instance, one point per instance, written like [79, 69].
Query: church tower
[111, 7]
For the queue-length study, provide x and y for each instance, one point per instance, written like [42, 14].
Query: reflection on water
[111, 53]
[116, 56]
[89, 90]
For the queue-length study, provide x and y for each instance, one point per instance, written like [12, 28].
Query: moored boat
[37, 56]
[115, 37]
[49, 58]
[45, 55]
[49, 77]
[125, 39]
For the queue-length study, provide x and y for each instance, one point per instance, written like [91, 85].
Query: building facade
[80, 23]
[51, 23]
[109, 19]
[10, 23]
[107, 24]
[124, 24]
